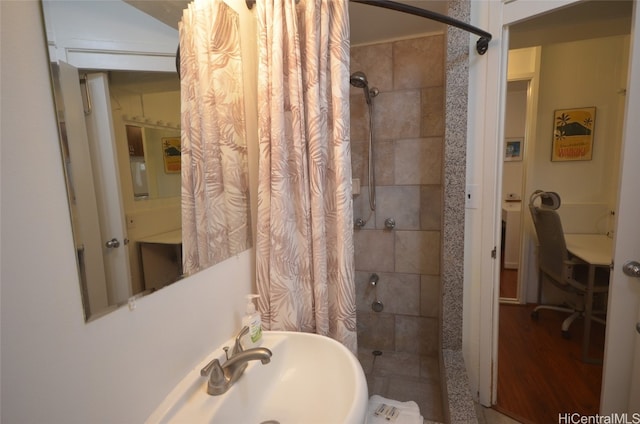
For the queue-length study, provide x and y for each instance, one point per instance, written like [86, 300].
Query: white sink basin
[310, 379]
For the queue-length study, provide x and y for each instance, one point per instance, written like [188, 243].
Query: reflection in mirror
[118, 107]
[154, 160]
[146, 112]
[215, 208]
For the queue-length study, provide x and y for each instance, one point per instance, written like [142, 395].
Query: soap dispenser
[253, 320]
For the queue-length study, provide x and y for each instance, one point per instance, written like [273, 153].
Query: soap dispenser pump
[252, 320]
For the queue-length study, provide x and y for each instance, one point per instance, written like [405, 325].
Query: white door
[102, 140]
[634, 392]
[82, 196]
[620, 389]
[96, 206]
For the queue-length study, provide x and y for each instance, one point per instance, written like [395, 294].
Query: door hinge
[494, 252]
[86, 96]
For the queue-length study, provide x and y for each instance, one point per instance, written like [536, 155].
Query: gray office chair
[554, 261]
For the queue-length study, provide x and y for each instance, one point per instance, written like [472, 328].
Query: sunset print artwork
[573, 134]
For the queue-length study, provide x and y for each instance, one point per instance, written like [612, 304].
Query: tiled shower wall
[408, 130]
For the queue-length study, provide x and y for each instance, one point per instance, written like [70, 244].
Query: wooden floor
[508, 283]
[541, 374]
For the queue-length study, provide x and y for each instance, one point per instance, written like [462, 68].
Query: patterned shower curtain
[305, 257]
[215, 209]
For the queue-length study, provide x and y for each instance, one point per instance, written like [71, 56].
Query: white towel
[409, 412]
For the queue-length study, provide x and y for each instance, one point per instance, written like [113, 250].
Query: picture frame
[573, 131]
[513, 149]
[171, 154]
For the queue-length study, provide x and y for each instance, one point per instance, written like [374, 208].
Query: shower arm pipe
[481, 45]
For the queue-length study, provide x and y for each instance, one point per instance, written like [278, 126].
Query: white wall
[54, 367]
[514, 127]
[573, 75]
[112, 25]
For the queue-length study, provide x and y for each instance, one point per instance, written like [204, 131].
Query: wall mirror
[117, 99]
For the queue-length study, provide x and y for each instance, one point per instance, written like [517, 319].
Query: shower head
[359, 79]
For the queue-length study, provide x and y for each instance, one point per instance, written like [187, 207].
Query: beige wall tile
[432, 111]
[384, 164]
[431, 207]
[408, 131]
[418, 161]
[402, 203]
[430, 367]
[376, 62]
[417, 252]
[377, 384]
[374, 250]
[376, 331]
[397, 115]
[362, 209]
[359, 160]
[359, 115]
[366, 360]
[399, 293]
[416, 335]
[418, 62]
[364, 291]
[430, 296]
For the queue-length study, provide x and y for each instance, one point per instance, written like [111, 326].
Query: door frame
[83, 199]
[524, 65]
[480, 347]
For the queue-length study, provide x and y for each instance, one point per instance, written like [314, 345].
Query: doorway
[518, 102]
[576, 70]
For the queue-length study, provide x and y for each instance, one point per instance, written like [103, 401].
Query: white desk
[597, 251]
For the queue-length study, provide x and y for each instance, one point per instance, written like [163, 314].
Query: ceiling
[369, 24]
[584, 20]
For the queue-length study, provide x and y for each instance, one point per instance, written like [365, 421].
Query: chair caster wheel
[534, 315]
[566, 335]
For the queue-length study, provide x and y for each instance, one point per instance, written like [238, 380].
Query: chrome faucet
[222, 377]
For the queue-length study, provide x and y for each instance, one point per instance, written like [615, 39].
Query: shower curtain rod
[481, 45]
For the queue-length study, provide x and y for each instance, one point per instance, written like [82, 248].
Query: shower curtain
[215, 211]
[304, 254]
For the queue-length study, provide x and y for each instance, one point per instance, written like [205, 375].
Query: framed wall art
[513, 149]
[573, 134]
[171, 154]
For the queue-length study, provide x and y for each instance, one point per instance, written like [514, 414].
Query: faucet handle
[217, 373]
[218, 383]
[237, 347]
[207, 368]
